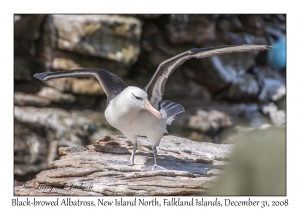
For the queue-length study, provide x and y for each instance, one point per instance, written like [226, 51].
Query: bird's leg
[131, 161]
[154, 153]
[155, 166]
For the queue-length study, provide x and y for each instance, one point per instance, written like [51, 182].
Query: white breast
[133, 122]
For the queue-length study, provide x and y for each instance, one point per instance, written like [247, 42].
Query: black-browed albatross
[142, 112]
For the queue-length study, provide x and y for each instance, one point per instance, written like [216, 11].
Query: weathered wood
[102, 169]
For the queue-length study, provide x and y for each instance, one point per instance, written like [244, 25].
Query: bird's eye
[138, 98]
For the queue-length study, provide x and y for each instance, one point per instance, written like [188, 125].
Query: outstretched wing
[156, 86]
[111, 84]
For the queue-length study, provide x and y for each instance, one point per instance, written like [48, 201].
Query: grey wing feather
[111, 84]
[168, 108]
[156, 86]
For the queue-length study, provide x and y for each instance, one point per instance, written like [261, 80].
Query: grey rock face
[272, 83]
[25, 38]
[221, 70]
[110, 37]
[22, 99]
[272, 90]
[63, 124]
[200, 28]
[211, 120]
[26, 34]
[253, 24]
[244, 87]
[278, 117]
[23, 69]
[55, 95]
[233, 30]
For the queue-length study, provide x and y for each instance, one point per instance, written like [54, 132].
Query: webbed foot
[153, 168]
[158, 168]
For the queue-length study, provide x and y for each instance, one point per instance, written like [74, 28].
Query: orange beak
[151, 109]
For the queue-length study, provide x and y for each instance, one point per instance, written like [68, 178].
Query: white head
[136, 98]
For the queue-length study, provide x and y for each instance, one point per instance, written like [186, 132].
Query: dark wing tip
[41, 76]
[267, 47]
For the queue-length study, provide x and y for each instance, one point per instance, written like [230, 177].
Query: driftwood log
[101, 169]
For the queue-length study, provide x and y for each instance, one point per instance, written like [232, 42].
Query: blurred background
[225, 97]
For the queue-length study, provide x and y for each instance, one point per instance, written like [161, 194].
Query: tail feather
[169, 108]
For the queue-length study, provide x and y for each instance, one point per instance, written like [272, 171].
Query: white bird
[142, 112]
